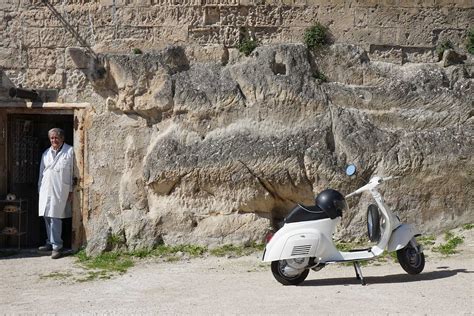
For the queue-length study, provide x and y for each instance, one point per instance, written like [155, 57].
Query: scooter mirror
[351, 170]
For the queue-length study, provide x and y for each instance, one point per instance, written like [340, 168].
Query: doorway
[27, 138]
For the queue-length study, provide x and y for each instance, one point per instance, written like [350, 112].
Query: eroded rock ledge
[219, 152]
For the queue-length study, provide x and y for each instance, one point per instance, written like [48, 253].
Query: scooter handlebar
[374, 182]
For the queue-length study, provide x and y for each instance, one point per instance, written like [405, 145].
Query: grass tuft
[468, 226]
[449, 247]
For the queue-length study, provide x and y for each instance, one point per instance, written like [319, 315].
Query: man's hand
[69, 197]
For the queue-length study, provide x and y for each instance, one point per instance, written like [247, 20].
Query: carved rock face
[212, 153]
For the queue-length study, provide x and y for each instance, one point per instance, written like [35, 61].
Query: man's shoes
[56, 254]
[45, 248]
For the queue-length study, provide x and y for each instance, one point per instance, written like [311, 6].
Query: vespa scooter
[305, 240]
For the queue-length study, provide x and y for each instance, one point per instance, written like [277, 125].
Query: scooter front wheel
[290, 272]
[411, 260]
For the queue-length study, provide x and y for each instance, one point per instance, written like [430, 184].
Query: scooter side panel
[288, 241]
[402, 236]
[300, 246]
[301, 243]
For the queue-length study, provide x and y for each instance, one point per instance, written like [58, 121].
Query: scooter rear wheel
[411, 260]
[278, 270]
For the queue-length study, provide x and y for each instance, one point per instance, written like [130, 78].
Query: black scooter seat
[303, 213]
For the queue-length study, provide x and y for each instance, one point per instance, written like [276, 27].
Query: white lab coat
[55, 182]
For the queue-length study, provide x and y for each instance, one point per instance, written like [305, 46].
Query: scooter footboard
[402, 236]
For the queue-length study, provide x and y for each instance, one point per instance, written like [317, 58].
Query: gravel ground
[35, 284]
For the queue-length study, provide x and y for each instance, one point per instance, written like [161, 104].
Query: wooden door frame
[80, 113]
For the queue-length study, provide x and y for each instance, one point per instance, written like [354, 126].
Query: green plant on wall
[316, 36]
[247, 46]
[246, 43]
[137, 51]
[470, 41]
[445, 45]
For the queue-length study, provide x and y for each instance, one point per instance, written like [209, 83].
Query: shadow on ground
[28, 253]
[393, 278]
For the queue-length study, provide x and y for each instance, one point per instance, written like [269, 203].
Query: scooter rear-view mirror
[351, 170]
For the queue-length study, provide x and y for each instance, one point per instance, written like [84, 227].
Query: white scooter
[305, 240]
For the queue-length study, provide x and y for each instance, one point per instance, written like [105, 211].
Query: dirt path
[32, 284]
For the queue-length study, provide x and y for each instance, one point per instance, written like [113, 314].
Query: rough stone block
[234, 16]
[170, 35]
[386, 53]
[336, 16]
[455, 36]
[268, 34]
[104, 33]
[212, 16]
[128, 16]
[58, 37]
[47, 78]
[384, 17]
[415, 37]
[464, 18]
[204, 35]
[142, 3]
[133, 32]
[389, 3]
[289, 34]
[12, 58]
[419, 55]
[388, 36]
[9, 4]
[315, 3]
[454, 3]
[102, 16]
[106, 3]
[360, 36]
[35, 18]
[301, 17]
[192, 16]
[416, 3]
[220, 2]
[229, 36]
[418, 18]
[45, 58]
[361, 17]
[31, 37]
[75, 80]
[264, 16]
[210, 53]
[365, 3]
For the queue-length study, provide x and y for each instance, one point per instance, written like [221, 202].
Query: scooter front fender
[401, 236]
[299, 243]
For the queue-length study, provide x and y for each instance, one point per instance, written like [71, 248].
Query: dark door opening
[27, 140]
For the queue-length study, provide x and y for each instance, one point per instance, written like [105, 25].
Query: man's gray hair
[57, 131]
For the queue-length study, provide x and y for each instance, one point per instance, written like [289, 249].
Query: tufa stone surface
[213, 153]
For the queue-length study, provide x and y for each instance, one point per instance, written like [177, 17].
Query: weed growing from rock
[316, 36]
[247, 42]
[137, 51]
[247, 46]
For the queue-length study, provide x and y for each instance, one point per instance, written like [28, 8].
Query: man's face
[55, 140]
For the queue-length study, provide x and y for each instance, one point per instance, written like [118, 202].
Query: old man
[55, 189]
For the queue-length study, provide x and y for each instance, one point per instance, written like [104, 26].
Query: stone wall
[34, 41]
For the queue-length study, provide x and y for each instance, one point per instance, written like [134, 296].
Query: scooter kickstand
[359, 272]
